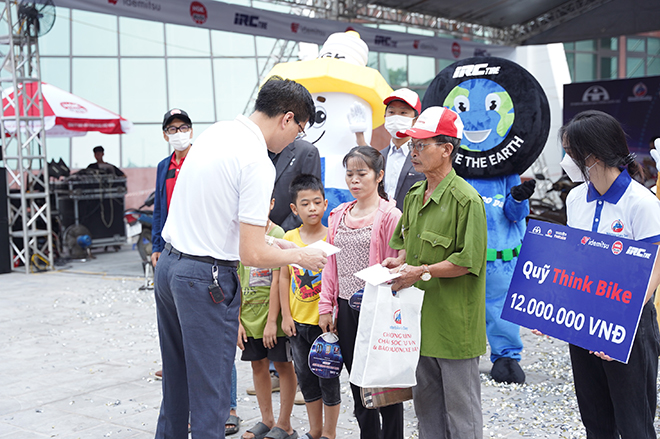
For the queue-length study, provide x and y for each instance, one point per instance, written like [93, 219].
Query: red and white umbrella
[65, 114]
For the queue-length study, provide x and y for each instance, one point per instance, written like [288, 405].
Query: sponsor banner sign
[242, 19]
[582, 287]
[634, 102]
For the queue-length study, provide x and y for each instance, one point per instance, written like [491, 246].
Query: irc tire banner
[504, 110]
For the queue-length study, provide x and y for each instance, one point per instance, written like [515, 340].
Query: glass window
[187, 41]
[587, 45]
[237, 2]
[232, 44]
[416, 31]
[191, 88]
[373, 60]
[443, 63]
[265, 45]
[57, 148]
[635, 44]
[56, 71]
[609, 43]
[94, 34]
[569, 46]
[235, 82]
[570, 60]
[653, 46]
[653, 66]
[143, 101]
[634, 67]
[394, 68]
[56, 41]
[421, 70]
[393, 27]
[585, 67]
[96, 79]
[609, 67]
[140, 37]
[81, 149]
[145, 146]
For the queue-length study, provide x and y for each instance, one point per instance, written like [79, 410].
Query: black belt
[207, 259]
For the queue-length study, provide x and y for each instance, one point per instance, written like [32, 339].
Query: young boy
[261, 340]
[299, 295]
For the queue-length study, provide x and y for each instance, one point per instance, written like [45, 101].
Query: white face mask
[573, 170]
[394, 124]
[180, 141]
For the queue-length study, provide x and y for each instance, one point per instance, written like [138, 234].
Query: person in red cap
[443, 235]
[403, 107]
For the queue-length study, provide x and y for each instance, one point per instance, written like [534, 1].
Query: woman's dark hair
[374, 160]
[596, 133]
[279, 96]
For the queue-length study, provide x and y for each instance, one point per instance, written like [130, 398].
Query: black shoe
[507, 370]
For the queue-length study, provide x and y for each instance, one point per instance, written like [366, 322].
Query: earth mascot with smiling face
[506, 120]
[349, 99]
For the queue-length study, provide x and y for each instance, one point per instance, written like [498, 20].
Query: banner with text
[242, 19]
[579, 286]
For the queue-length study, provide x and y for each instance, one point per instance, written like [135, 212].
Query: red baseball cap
[406, 95]
[436, 121]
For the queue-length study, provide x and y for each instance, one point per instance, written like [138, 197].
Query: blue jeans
[198, 346]
[503, 336]
[615, 398]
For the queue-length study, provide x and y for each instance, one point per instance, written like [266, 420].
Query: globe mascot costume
[348, 95]
[506, 120]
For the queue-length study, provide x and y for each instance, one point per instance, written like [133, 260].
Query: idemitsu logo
[584, 240]
[397, 316]
[294, 27]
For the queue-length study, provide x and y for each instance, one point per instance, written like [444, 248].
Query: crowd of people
[234, 266]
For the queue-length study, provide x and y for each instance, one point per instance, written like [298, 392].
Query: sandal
[278, 433]
[232, 425]
[259, 430]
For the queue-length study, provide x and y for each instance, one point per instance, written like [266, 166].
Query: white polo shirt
[227, 179]
[627, 209]
[396, 158]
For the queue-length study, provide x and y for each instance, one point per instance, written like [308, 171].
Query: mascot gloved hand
[506, 119]
[523, 191]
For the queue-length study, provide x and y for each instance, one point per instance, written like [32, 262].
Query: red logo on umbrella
[198, 12]
[456, 50]
[73, 106]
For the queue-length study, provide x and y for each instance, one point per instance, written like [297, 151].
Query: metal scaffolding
[23, 144]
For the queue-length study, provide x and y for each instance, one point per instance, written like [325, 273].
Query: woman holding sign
[367, 222]
[614, 398]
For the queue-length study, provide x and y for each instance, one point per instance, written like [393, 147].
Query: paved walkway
[79, 348]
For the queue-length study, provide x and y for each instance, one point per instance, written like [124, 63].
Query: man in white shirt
[218, 214]
[403, 107]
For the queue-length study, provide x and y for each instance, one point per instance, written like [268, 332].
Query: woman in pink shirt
[366, 223]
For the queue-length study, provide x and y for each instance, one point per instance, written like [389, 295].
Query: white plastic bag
[388, 337]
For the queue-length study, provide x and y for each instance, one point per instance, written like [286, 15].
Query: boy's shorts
[255, 350]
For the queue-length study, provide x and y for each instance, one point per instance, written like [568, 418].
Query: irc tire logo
[504, 110]
[397, 316]
[198, 12]
[617, 247]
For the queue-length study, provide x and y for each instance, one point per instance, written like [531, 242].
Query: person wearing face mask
[403, 107]
[615, 399]
[178, 132]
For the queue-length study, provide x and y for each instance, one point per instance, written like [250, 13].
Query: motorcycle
[548, 209]
[139, 223]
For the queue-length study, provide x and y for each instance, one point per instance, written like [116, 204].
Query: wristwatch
[426, 274]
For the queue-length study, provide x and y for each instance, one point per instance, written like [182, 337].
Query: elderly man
[217, 215]
[443, 233]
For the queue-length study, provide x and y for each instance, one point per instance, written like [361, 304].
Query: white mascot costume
[347, 94]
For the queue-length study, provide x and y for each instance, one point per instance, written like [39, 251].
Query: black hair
[305, 182]
[373, 159]
[595, 133]
[454, 141]
[279, 96]
[98, 149]
[401, 100]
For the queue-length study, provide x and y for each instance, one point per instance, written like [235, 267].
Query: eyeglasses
[302, 133]
[419, 147]
[173, 130]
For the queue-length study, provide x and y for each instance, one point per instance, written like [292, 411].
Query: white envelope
[376, 275]
[329, 249]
